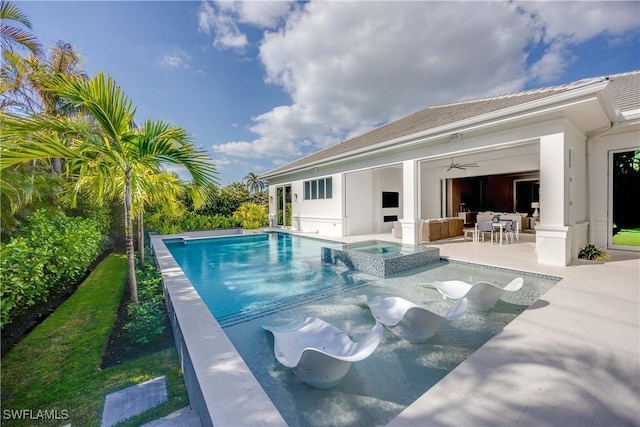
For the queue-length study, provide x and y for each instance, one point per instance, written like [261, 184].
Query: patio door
[283, 206]
[624, 203]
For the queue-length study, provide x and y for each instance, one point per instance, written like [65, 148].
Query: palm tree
[108, 149]
[151, 188]
[253, 183]
[12, 36]
[26, 83]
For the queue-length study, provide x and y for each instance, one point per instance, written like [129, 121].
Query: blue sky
[259, 84]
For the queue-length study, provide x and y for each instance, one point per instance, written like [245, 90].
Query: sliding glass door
[283, 206]
[624, 203]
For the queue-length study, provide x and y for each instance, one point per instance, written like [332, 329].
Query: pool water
[245, 277]
[375, 247]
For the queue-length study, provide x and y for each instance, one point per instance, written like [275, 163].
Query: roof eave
[462, 126]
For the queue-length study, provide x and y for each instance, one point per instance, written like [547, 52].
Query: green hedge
[47, 252]
[190, 222]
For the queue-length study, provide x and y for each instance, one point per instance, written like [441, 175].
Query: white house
[554, 146]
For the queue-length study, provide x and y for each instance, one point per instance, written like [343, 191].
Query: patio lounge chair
[482, 296]
[319, 353]
[410, 321]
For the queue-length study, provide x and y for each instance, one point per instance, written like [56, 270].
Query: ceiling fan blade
[461, 166]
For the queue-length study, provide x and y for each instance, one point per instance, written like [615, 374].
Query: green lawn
[627, 237]
[57, 366]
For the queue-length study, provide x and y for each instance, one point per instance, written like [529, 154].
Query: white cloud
[262, 14]
[222, 18]
[351, 66]
[176, 59]
[562, 25]
[227, 35]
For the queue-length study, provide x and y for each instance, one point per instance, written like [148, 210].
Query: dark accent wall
[485, 193]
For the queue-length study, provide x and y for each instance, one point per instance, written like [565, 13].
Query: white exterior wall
[576, 216]
[359, 202]
[321, 215]
[552, 233]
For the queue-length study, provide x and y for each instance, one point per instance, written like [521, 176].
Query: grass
[627, 237]
[57, 366]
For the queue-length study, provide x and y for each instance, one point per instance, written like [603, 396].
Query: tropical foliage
[147, 318]
[252, 215]
[592, 252]
[190, 221]
[103, 147]
[228, 199]
[71, 142]
[12, 36]
[254, 183]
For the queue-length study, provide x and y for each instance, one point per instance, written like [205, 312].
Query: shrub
[147, 318]
[592, 253]
[251, 215]
[49, 250]
[190, 222]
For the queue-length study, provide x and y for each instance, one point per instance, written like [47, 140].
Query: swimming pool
[380, 387]
[244, 277]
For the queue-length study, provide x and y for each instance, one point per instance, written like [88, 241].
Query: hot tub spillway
[378, 258]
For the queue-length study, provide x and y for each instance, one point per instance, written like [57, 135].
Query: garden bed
[120, 347]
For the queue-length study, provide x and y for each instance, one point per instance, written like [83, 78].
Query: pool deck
[572, 359]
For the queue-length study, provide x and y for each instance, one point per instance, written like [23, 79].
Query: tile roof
[625, 89]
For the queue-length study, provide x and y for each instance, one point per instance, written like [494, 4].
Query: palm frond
[103, 99]
[12, 36]
[9, 11]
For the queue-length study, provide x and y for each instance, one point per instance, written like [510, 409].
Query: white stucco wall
[359, 202]
[322, 215]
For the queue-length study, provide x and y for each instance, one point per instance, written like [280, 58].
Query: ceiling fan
[462, 166]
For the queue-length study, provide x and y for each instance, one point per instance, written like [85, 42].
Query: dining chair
[483, 228]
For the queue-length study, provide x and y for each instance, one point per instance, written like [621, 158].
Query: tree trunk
[56, 166]
[141, 238]
[128, 238]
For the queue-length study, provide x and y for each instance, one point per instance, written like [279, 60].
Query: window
[318, 189]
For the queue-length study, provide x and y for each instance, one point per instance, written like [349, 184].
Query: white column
[410, 220]
[552, 233]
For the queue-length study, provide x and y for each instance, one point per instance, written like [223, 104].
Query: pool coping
[218, 382]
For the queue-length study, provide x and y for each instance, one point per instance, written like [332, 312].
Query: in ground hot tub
[380, 258]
